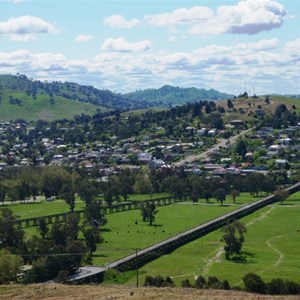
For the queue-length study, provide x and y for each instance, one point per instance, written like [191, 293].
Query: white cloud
[83, 38]
[180, 16]
[246, 17]
[266, 65]
[25, 28]
[121, 45]
[118, 21]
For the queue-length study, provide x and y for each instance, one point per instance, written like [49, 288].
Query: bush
[158, 281]
[254, 283]
[213, 282]
[186, 284]
[282, 287]
[200, 282]
[62, 276]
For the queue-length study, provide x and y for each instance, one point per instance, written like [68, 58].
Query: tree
[254, 183]
[94, 215]
[9, 266]
[43, 228]
[281, 195]
[254, 283]
[87, 191]
[241, 148]
[220, 195]
[10, 235]
[148, 211]
[142, 183]
[92, 238]
[234, 238]
[234, 193]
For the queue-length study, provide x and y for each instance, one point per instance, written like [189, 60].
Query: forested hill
[28, 99]
[172, 96]
[66, 90]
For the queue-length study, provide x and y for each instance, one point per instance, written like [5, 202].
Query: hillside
[100, 292]
[32, 100]
[171, 96]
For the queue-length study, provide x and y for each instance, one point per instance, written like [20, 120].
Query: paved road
[205, 154]
[85, 272]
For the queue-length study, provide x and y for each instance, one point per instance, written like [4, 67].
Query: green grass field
[43, 208]
[271, 250]
[41, 108]
[271, 247]
[122, 235]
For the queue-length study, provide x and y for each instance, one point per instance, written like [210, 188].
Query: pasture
[271, 250]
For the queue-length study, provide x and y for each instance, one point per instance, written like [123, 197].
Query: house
[237, 123]
[212, 132]
[281, 163]
[155, 164]
[144, 157]
[202, 131]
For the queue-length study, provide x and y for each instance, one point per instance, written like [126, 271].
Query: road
[205, 154]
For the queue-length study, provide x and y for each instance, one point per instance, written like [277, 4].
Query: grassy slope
[271, 250]
[254, 103]
[122, 235]
[41, 108]
[100, 292]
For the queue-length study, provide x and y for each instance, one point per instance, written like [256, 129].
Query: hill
[171, 96]
[100, 292]
[32, 100]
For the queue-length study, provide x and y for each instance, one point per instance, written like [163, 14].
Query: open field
[122, 235]
[101, 292]
[44, 208]
[271, 250]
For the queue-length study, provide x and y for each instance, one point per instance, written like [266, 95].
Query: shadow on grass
[99, 255]
[244, 258]
[156, 225]
[105, 230]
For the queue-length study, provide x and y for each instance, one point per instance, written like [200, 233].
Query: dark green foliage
[92, 238]
[43, 227]
[220, 195]
[10, 235]
[148, 211]
[36, 274]
[234, 238]
[254, 283]
[213, 283]
[186, 284]
[168, 95]
[200, 282]
[158, 281]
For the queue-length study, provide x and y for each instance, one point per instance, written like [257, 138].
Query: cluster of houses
[280, 146]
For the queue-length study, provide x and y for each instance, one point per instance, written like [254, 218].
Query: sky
[124, 46]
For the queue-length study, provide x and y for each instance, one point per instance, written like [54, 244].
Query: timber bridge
[144, 256]
[125, 206]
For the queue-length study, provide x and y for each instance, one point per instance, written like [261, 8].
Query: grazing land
[271, 250]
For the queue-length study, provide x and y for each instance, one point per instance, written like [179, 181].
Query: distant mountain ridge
[170, 96]
[21, 97]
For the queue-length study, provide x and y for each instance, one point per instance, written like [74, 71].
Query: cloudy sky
[132, 45]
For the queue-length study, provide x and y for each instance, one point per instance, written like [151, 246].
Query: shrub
[186, 284]
[213, 282]
[254, 283]
[200, 282]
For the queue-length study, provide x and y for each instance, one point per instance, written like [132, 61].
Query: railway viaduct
[148, 254]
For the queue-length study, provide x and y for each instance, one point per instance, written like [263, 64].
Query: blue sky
[125, 46]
